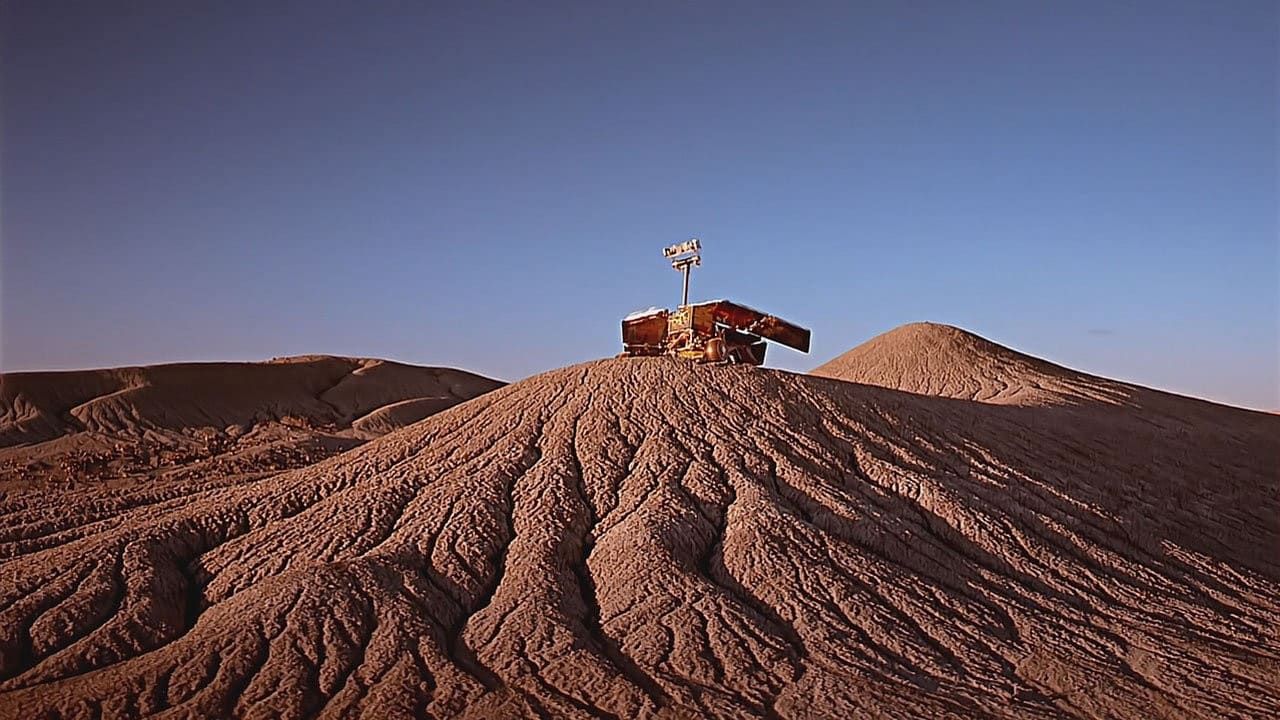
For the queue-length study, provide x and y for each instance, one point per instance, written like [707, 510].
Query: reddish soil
[649, 538]
[945, 361]
[215, 422]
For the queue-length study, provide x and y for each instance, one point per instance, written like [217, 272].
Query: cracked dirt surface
[212, 422]
[648, 538]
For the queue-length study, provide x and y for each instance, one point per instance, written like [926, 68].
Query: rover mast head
[684, 257]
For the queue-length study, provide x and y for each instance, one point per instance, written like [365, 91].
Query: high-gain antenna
[684, 257]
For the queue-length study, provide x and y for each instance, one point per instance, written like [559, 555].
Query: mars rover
[716, 331]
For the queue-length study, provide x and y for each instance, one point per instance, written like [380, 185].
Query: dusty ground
[643, 537]
[213, 422]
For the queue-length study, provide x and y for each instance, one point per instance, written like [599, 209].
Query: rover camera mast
[684, 257]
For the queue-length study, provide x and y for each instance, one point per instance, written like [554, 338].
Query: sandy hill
[126, 420]
[942, 360]
[644, 538]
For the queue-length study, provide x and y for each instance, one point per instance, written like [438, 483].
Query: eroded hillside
[946, 361]
[644, 537]
[214, 422]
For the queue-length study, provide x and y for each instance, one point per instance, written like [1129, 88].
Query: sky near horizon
[489, 185]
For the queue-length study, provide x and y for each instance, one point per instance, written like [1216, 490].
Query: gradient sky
[489, 186]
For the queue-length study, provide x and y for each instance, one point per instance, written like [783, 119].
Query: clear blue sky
[489, 185]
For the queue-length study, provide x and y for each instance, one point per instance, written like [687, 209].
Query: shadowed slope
[642, 537]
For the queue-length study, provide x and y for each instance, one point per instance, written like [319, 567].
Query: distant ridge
[204, 424]
[316, 389]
